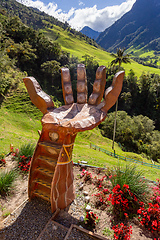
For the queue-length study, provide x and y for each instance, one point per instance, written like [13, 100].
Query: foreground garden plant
[124, 202]
[156, 193]
[2, 159]
[150, 217]
[86, 176]
[130, 176]
[122, 232]
[23, 156]
[129, 195]
[91, 219]
[6, 181]
[101, 198]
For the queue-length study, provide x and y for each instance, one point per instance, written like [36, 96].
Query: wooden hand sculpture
[51, 170]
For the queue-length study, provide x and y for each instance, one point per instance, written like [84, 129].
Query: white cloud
[81, 3]
[51, 9]
[97, 19]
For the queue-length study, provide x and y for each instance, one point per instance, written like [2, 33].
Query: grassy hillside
[20, 122]
[149, 56]
[78, 47]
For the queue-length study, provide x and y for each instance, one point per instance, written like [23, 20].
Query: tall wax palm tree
[119, 58]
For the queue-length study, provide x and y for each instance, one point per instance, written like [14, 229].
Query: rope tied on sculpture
[64, 146]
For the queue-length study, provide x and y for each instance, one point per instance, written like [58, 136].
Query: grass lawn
[83, 152]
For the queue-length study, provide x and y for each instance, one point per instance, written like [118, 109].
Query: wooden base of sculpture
[51, 171]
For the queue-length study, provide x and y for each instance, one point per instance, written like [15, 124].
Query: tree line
[39, 56]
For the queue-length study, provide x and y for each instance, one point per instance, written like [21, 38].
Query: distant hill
[90, 32]
[139, 28]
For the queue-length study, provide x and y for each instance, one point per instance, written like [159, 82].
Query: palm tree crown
[120, 57]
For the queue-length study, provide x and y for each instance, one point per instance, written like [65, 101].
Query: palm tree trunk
[114, 130]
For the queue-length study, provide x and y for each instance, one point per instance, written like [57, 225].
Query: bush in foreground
[23, 156]
[6, 181]
[129, 175]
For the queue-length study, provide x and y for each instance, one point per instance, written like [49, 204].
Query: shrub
[129, 188]
[99, 182]
[24, 163]
[129, 175]
[86, 175]
[122, 232]
[150, 217]
[91, 219]
[101, 198]
[124, 202]
[156, 193]
[23, 156]
[6, 181]
[2, 159]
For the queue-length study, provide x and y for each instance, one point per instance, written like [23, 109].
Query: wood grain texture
[81, 84]
[39, 98]
[66, 86]
[98, 86]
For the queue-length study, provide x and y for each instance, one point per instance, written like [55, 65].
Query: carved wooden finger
[67, 86]
[39, 98]
[98, 86]
[81, 84]
[112, 93]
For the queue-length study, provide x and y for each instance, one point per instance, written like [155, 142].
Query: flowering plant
[23, 156]
[150, 217]
[123, 201]
[122, 232]
[91, 219]
[87, 176]
[156, 192]
[101, 198]
[129, 175]
[24, 163]
[99, 182]
[2, 159]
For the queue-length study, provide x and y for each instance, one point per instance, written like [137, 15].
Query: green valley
[78, 47]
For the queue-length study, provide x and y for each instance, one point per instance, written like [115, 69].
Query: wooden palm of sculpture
[51, 170]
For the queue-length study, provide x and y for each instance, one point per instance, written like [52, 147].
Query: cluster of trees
[40, 57]
[141, 96]
[136, 134]
[147, 61]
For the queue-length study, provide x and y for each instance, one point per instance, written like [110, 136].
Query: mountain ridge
[138, 27]
[90, 32]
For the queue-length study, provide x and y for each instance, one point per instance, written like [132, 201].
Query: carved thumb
[112, 93]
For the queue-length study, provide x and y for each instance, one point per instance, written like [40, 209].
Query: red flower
[126, 186]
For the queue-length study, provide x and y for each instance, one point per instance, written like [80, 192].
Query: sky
[97, 15]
